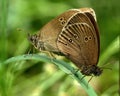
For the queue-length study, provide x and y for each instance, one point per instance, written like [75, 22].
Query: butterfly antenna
[106, 68]
[103, 66]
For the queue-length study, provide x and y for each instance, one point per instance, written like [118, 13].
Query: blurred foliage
[18, 17]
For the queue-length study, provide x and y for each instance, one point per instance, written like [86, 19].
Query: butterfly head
[91, 70]
[35, 40]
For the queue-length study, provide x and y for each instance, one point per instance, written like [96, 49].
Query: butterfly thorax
[91, 70]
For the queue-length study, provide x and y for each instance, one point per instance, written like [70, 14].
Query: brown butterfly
[74, 34]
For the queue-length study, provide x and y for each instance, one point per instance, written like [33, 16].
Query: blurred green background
[33, 78]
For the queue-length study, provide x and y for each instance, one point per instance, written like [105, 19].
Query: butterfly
[74, 34]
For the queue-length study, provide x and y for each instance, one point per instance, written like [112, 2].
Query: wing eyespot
[70, 40]
[90, 38]
[63, 22]
[86, 39]
[61, 19]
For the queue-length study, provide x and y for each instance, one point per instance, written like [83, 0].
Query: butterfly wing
[79, 42]
[95, 25]
[49, 33]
